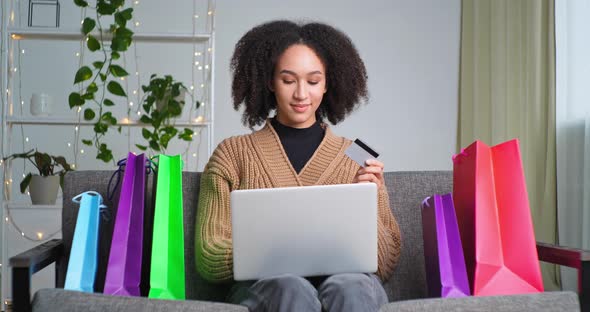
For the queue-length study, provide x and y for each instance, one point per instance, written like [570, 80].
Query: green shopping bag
[167, 265]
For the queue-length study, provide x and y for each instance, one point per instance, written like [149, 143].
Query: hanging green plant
[162, 102]
[99, 80]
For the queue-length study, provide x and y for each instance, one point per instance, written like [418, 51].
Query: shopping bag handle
[111, 192]
[76, 199]
[104, 212]
[151, 165]
[425, 202]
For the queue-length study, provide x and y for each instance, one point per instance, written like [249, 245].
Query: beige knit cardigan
[258, 160]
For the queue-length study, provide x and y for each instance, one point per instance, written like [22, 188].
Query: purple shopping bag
[446, 274]
[123, 275]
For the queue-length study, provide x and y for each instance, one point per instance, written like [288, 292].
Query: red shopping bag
[492, 206]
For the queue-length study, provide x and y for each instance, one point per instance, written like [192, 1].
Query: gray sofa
[406, 290]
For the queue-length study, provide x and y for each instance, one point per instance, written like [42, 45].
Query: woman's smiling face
[299, 84]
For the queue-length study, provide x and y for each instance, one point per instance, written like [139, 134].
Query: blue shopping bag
[84, 253]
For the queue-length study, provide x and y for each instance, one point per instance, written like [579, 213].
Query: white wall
[411, 50]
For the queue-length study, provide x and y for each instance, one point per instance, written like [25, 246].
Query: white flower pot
[41, 104]
[44, 189]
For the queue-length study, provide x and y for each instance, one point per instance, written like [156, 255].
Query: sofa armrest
[573, 258]
[28, 263]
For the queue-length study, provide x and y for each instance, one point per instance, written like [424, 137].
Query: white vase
[44, 189]
[41, 104]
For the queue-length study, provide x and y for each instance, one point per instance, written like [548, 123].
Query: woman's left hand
[373, 172]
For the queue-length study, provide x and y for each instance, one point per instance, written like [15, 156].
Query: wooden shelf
[29, 206]
[48, 34]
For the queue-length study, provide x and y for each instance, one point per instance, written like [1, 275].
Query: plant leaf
[44, 164]
[103, 77]
[75, 100]
[108, 102]
[25, 183]
[108, 118]
[88, 96]
[154, 145]
[92, 88]
[100, 128]
[164, 139]
[84, 73]
[81, 3]
[120, 43]
[104, 153]
[88, 25]
[146, 133]
[145, 119]
[89, 114]
[115, 55]
[120, 20]
[60, 160]
[92, 43]
[118, 71]
[127, 13]
[186, 135]
[87, 142]
[98, 65]
[141, 147]
[28, 154]
[170, 130]
[106, 115]
[174, 108]
[104, 8]
[115, 88]
[117, 3]
[124, 32]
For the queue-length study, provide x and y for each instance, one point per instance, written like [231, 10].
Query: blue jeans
[340, 292]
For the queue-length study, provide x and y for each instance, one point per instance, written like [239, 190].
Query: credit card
[360, 152]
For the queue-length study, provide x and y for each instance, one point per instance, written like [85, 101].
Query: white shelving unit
[11, 119]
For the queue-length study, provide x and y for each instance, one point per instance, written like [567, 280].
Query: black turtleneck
[299, 144]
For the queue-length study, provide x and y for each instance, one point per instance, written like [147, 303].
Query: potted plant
[43, 186]
[162, 102]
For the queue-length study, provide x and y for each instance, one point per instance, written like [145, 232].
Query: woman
[305, 74]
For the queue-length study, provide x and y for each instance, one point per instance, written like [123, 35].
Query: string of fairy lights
[201, 59]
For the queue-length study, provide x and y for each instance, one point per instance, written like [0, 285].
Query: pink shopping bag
[491, 201]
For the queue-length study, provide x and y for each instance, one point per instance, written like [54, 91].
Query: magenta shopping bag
[446, 274]
[123, 274]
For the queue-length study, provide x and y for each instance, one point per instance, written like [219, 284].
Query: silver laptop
[306, 231]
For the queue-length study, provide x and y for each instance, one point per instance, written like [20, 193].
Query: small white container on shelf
[41, 104]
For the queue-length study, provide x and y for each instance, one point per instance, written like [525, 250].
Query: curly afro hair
[258, 51]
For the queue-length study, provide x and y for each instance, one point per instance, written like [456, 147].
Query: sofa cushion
[59, 300]
[407, 190]
[547, 301]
